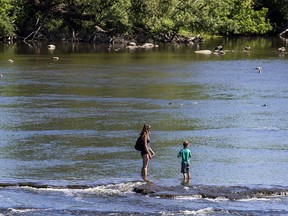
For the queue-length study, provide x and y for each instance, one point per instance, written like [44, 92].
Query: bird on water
[259, 69]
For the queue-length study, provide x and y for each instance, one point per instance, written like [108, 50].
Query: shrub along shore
[119, 21]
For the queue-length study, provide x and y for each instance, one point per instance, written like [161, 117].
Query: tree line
[88, 20]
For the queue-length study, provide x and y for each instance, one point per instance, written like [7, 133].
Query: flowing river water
[68, 129]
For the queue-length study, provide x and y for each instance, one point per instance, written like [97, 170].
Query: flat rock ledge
[210, 192]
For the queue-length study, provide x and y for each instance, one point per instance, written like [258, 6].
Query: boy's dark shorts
[184, 167]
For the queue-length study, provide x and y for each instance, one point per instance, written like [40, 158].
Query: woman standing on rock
[146, 151]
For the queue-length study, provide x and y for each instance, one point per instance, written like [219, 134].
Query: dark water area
[68, 126]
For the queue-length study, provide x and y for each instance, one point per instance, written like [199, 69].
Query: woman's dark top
[143, 151]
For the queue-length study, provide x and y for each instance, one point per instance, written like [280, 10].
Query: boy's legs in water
[185, 171]
[184, 176]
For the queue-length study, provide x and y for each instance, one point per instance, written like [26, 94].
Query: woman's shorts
[184, 168]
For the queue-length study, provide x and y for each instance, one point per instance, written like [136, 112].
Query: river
[69, 125]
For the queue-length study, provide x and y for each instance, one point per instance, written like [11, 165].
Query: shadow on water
[236, 44]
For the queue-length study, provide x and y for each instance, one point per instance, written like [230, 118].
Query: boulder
[207, 52]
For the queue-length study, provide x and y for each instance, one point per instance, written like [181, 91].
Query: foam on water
[193, 197]
[109, 189]
[113, 189]
[204, 211]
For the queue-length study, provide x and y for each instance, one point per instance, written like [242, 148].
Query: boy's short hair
[185, 144]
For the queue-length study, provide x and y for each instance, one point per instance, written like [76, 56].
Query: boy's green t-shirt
[185, 154]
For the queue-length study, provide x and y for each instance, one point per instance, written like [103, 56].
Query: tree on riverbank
[277, 13]
[7, 27]
[96, 20]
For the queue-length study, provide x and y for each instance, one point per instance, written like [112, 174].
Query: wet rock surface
[210, 192]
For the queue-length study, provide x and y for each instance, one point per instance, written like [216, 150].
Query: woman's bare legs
[144, 170]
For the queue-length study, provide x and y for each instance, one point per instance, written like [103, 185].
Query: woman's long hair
[145, 130]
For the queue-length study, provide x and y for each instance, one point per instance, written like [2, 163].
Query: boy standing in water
[185, 154]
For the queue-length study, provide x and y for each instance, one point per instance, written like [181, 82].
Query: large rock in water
[207, 52]
[210, 192]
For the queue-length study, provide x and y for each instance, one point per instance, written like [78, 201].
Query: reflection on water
[68, 128]
[78, 117]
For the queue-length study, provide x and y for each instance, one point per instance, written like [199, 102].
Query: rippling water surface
[68, 129]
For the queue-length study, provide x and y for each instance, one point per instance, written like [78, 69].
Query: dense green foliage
[277, 12]
[56, 19]
[6, 18]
